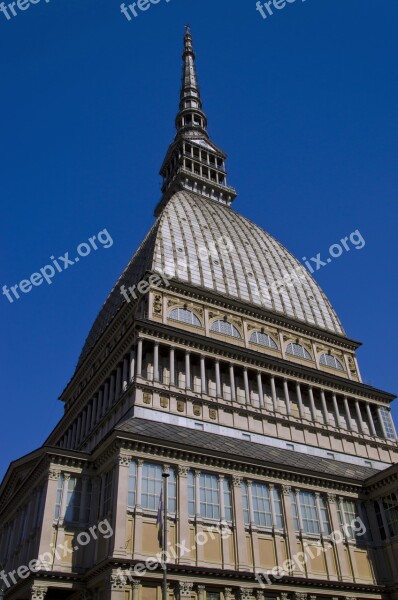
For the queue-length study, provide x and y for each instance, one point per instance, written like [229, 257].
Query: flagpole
[165, 476]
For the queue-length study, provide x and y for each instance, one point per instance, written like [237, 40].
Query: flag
[159, 520]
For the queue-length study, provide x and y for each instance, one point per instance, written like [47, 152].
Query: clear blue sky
[305, 103]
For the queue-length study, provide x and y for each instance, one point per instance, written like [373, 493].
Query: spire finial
[192, 161]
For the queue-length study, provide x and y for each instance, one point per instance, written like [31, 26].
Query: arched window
[330, 361]
[298, 350]
[185, 316]
[263, 339]
[225, 328]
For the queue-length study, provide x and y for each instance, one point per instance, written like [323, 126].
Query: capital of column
[38, 592]
[185, 589]
[54, 474]
[183, 471]
[117, 581]
[245, 593]
[332, 498]
[229, 594]
[286, 489]
[166, 469]
[236, 480]
[124, 460]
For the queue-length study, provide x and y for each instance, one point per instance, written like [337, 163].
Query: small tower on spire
[192, 161]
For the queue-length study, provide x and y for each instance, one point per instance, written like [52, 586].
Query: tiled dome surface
[187, 241]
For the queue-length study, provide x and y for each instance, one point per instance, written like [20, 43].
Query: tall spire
[192, 161]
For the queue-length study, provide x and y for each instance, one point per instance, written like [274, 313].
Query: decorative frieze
[38, 592]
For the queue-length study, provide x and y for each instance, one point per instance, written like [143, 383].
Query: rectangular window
[152, 481]
[191, 494]
[227, 500]
[294, 510]
[309, 512]
[276, 496]
[58, 499]
[245, 502]
[386, 417]
[261, 505]
[73, 500]
[107, 497]
[390, 504]
[132, 484]
[39, 507]
[209, 496]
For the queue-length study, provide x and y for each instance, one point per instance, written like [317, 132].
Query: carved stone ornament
[117, 581]
[124, 460]
[236, 480]
[183, 471]
[38, 592]
[229, 594]
[158, 305]
[164, 401]
[331, 497]
[147, 398]
[213, 414]
[245, 593]
[197, 410]
[286, 489]
[180, 405]
[185, 589]
[54, 474]
[300, 596]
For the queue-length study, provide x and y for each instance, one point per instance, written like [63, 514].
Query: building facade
[218, 360]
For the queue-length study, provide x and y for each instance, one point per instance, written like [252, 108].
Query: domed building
[218, 368]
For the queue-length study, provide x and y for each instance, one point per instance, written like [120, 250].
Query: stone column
[106, 398]
[347, 414]
[260, 390]
[132, 364]
[83, 500]
[240, 539]
[89, 413]
[312, 403]
[197, 495]
[201, 592]
[343, 568]
[203, 375]
[324, 408]
[112, 390]
[120, 491]
[218, 379]
[232, 382]
[136, 584]
[156, 361]
[278, 548]
[117, 585]
[50, 499]
[287, 397]
[139, 357]
[125, 374]
[64, 497]
[188, 383]
[336, 410]
[273, 393]
[118, 382]
[359, 417]
[183, 518]
[370, 419]
[246, 384]
[300, 401]
[137, 552]
[291, 538]
[172, 367]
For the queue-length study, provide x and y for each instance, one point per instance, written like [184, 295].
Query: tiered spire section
[192, 161]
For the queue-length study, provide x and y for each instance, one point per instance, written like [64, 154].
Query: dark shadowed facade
[234, 374]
